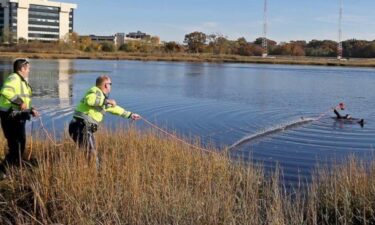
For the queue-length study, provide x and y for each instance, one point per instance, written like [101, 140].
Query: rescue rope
[282, 128]
[48, 135]
[321, 115]
[174, 136]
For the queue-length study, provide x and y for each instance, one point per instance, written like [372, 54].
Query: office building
[35, 20]
[118, 39]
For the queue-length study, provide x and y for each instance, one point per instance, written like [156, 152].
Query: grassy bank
[193, 58]
[148, 179]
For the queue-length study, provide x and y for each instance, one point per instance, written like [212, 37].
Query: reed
[145, 178]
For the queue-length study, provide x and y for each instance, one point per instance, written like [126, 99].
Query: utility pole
[264, 41]
[339, 45]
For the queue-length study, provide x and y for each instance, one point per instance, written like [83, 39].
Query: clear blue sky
[172, 19]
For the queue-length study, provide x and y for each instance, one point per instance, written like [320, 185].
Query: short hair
[101, 79]
[18, 64]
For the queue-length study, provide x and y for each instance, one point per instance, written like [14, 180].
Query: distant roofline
[44, 2]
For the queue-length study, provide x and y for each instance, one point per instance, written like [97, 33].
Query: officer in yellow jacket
[15, 110]
[90, 112]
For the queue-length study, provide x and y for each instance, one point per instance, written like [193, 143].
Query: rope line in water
[52, 140]
[279, 129]
[270, 131]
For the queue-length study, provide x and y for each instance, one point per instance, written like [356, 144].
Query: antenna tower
[264, 40]
[339, 45]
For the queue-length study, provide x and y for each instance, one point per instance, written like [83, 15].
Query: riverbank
[355, 62]
[145, 178]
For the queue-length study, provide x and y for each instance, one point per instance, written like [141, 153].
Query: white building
[36, 19]
[118, 39]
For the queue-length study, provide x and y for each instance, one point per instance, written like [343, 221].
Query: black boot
[361, 122]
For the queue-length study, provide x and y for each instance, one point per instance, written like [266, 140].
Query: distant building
[36, 20]
[119, 38]
[101, 39]
[137, 36]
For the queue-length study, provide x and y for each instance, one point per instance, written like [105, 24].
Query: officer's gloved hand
[25, 115]
[20, 115]
[135, 116]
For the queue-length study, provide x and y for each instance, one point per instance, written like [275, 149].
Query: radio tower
[339, 45]
[264, 41]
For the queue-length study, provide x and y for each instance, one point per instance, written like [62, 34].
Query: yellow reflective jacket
[93, 107]
[15, 91]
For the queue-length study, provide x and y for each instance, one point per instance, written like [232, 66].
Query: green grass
[146, 178]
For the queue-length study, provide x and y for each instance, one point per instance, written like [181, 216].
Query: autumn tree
[293, 48]
[322, 48]
[108, 47]
[155, 40]
[196, 41]
[130, 46]
[270, 43]
[7, 36]
[173, 47]
[218, 44]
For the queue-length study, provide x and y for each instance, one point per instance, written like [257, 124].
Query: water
[225, 103]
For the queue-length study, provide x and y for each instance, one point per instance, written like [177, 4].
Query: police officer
[15, 110]
[90, 112]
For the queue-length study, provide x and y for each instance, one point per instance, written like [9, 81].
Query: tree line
[198, 42]
[215, 44]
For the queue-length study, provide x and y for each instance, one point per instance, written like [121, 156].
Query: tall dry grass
[144, 178]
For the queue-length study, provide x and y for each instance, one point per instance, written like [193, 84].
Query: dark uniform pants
[83, 134]
[15, 132]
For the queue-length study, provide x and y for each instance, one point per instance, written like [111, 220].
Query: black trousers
[83, 134]
[339, 116]
[15, 132]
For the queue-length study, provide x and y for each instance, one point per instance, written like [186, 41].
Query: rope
[159, 129]
[321, 115]
[174, 136]
[145, 120]
[325, 113]
[48, 134]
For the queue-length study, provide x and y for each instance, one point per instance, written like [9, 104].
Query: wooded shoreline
[199, 58]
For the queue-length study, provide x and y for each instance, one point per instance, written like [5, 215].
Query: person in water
[347, 117]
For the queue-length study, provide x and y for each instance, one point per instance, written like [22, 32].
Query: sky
[172, 19]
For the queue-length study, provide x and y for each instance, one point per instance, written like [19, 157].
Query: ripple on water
[222, 103]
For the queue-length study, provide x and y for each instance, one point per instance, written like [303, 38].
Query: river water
[224, 103]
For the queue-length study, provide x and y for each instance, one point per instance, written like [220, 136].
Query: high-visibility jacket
[15, 91]
[93, 107]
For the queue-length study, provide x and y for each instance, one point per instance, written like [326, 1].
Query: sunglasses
[23, 61]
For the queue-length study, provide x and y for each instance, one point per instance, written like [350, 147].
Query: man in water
[347, 117]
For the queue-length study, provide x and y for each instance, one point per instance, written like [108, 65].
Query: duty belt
[84, 117]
